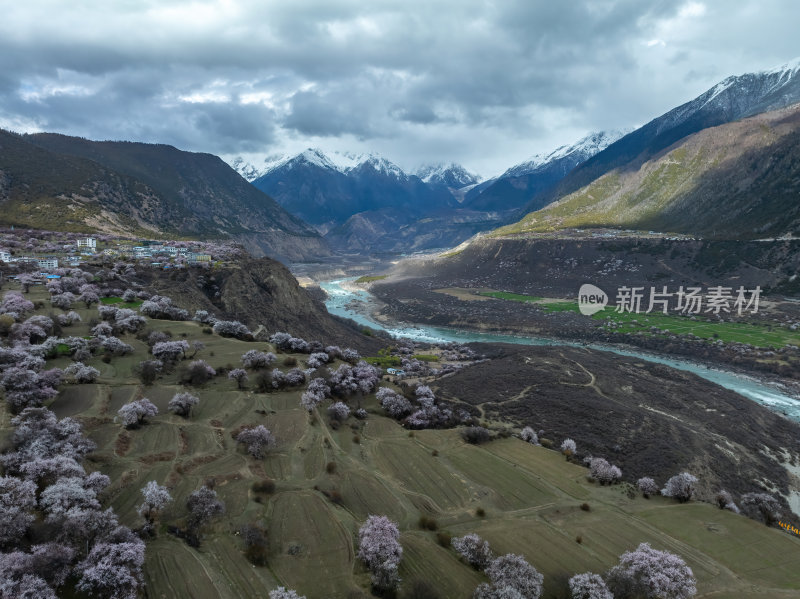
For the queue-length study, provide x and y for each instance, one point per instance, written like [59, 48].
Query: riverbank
[347, 299]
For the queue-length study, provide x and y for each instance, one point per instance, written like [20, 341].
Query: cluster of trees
[256, 360]
[603, 471]
[319, 354]
[682, 487]
[510, 575]
[161, 307]
[422, 411]
[644, 573]
[231, 328]
[45, 487]
[339, 386]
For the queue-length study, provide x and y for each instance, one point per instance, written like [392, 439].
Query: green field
[119, 301]
[514, 297]
[370, 278]
[531, 495]
[756, 334]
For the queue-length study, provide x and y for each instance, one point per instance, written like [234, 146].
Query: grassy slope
[735, 180]
[530, 494]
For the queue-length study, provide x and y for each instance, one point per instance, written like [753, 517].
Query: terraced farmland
[329, 479]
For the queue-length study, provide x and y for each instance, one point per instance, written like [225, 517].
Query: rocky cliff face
[263, 294]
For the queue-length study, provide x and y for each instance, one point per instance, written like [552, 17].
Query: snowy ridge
[577, 152]
[342, 162]
[448, 174]
[790, 67]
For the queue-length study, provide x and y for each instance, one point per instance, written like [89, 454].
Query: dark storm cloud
[410, 79]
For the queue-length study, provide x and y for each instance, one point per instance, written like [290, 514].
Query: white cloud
[486, 84]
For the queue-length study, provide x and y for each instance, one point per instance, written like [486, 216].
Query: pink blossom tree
[647, 486]
[156, 498]
[284, 593]
[588, 586]
[681, 487]
[379, 548]
[239, 375]
[113, 570]
[133, 414]
[256, 359]
[651, 574]
[257, 439]
[529, 435]
[203, 506]
[473, 549]
[395, 404]
[338, 411]
[511, 576]
[316, 392]
[182, 403]
[17, 501]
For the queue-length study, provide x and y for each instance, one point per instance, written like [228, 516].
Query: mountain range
[722, 164]
[58, 182]
[725, 164]
[366, 202]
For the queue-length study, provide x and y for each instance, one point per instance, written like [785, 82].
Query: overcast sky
[486, 84]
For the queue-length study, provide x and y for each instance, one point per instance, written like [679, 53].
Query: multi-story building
[47, 263]
[87, 242]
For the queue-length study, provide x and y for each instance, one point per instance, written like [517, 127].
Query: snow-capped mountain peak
[573, 154]
[450, 175]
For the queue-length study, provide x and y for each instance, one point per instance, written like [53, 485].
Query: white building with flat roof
[87, 242]
[47, 263]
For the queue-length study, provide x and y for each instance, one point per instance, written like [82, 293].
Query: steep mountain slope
[733, 98]
[158, 188]
[523, 184]
[354, 199]
[258, 292]
[327, 190]
[738, 180]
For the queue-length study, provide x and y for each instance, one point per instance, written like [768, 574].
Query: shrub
[198, 372]
[762, 507]
[427, 523]
[586, 507]
[475, 434]
[265, 485]
[443, 538]
[724, 501]
[255, 544]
